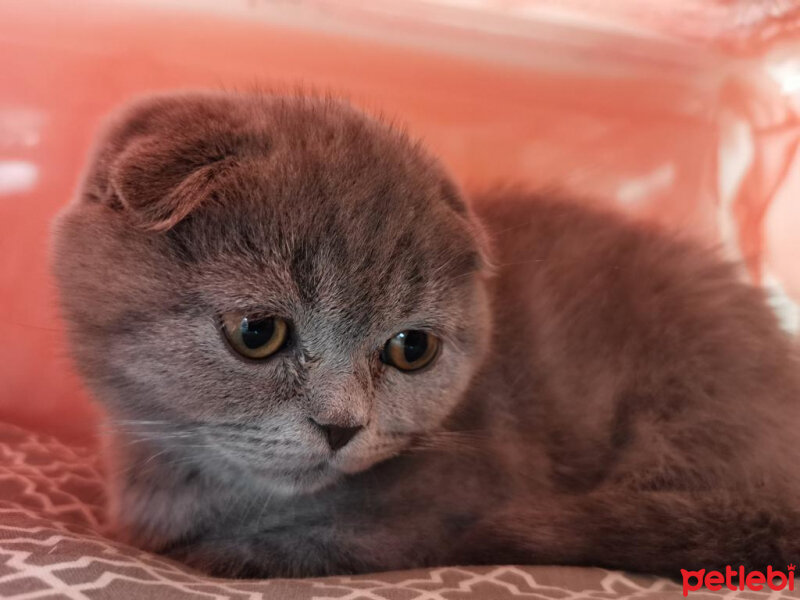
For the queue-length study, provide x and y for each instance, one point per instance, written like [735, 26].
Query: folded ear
[162, 157]
[160, 182]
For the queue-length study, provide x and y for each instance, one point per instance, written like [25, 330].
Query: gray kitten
[317, 358]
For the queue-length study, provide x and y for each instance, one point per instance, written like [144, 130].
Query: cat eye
[255, 337]
[410, 350]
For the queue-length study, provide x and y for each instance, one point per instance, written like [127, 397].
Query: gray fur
[606, 394]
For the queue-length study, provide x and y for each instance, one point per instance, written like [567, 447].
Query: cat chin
[313, 480]
[351, 464]
[299, 483]
[290, 489]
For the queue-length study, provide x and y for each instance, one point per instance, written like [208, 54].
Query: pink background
[687, 116]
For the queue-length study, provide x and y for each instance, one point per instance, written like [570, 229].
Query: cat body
[603, 394]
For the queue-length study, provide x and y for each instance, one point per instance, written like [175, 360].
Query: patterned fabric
[52, 547]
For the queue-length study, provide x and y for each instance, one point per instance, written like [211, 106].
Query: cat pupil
[256, 333]
[415, 344]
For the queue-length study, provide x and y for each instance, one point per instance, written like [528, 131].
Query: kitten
[314, 363]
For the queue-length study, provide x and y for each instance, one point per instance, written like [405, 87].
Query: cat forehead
[356, 263]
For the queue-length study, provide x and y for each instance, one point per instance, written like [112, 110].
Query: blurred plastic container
[684, 112]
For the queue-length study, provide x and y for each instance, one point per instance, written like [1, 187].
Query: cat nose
[337, 436]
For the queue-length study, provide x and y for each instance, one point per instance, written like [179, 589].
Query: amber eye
[255, 337]
[410, 350]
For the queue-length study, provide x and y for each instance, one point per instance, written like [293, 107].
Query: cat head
[293, 286]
